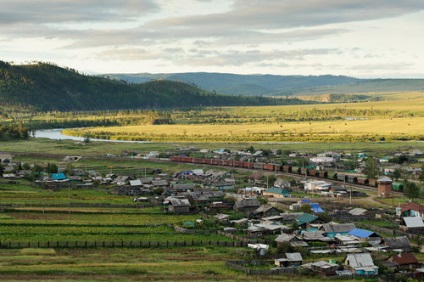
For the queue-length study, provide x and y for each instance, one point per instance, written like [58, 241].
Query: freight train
[312, 172]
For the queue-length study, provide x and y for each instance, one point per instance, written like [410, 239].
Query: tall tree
[411, 190]
[371, 168]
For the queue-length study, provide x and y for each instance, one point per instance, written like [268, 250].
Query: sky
[359, 38]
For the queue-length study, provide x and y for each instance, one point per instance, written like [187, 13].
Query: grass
[408, 128]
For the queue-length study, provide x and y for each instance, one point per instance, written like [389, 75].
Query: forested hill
[281, 85]
[43, 86]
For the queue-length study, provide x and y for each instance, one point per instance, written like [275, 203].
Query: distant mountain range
[277, 85]
[46, 87]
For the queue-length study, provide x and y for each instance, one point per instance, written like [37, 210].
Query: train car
[174, 158]
[287, 168]
[268, 167]
[278, 167]
[248, 165]
[296, 169]
[323, 174]
[312, 172]
[258, 165]
[304, 170]
[362, 180]
[341, 177]
[351, 179]
[238, 163]
[197, 160]
[216, 161]
[186, 159]
[227, 162]
[372, 182]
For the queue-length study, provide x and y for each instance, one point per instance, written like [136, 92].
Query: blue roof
[316, 208]
[58, 176]
[306, 201]
[361, 233]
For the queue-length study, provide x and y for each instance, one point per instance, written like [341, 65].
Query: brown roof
[412, 206]
[404, 259]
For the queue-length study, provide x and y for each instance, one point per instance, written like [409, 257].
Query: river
[56, 134]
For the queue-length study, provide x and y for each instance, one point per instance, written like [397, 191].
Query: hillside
[277, 85]
[234, 84]
[47, 87]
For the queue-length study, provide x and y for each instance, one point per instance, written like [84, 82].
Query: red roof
[412, 206]
[404, 259]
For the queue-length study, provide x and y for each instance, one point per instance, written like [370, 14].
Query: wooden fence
[116, 244]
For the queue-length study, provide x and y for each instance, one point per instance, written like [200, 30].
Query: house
[316, 236]
[182, 187]
[405, 261]
[177, 205]
[247, 205]
[224, 218]
[272, 228]
[135, 184]
[316, 208]
[317, 186]
[363, 233]
[412, 209]
[306, 219]
[332, 229]
[347, 240]
[360, 264]
[276, 192]
[412, 224]
[398, 244]
[255, 231]
[358, 211]
[265, 211]
[60, 176]
[159, 183]
[290, 260]
[281, 183]
[291, 239]
[223, 185]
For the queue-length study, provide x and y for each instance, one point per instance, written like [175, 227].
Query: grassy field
[391, 119]
[409, 128]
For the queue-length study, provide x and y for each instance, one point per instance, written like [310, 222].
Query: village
[290, 216]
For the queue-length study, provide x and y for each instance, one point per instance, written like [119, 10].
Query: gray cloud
[62, 11]
[248, 33]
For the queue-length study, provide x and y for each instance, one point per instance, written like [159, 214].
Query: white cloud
[242, 36]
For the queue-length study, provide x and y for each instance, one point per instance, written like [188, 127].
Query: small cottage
[360, 264]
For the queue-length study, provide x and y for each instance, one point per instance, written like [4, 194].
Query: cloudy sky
[361, 38]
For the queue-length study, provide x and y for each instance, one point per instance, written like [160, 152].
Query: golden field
[399, 117]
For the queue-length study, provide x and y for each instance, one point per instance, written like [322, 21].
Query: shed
[412, 223]
[289, 260]
[323, 267]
